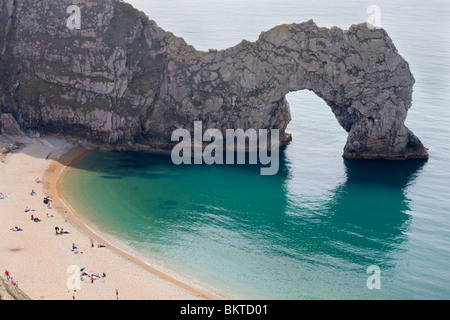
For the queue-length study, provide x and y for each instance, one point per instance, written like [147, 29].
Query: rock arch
[358, 73]
[122, 82]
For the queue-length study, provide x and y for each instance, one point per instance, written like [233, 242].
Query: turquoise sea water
[312, 230]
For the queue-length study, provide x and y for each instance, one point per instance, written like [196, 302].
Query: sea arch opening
[317, 141]
[313, 127]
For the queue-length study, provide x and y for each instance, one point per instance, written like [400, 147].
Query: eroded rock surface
[122, 82]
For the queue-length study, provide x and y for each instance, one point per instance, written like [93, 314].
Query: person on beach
[65, 216]
[4, 195]
[75, 249]
[35, 219]
[16, 229]
[37, 180]
[7, 275]
[32, 192]
[47, 200]
[92, 243]
[27, 210]
[73, 294]
[117, 294]
[57, 230]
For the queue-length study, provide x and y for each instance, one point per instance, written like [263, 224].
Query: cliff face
[121, 81]
[11, 292]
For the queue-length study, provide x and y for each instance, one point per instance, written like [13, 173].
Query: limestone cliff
[9, 291]
[121, 81]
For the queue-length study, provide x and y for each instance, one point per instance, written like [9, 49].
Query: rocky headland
[121, 82]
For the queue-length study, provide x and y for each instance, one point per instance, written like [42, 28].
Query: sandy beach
[39, 259]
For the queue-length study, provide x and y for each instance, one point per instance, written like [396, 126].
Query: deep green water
[312, 230]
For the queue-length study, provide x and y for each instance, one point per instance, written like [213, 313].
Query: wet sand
[39, 260]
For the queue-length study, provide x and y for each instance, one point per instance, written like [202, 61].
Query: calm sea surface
[312, 230]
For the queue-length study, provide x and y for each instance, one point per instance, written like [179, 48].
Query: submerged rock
[122, 82]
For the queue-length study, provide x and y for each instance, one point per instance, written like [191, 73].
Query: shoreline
[135, 279]
[55, 190]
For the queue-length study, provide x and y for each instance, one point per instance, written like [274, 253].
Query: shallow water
[312, 230]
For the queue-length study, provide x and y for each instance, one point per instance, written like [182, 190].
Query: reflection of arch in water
[365, 217]
[369, 212]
